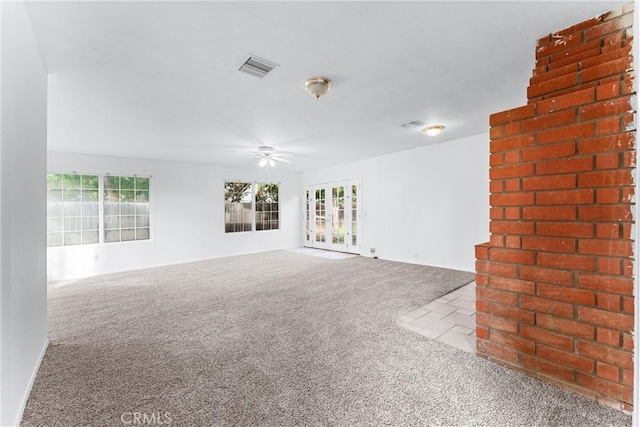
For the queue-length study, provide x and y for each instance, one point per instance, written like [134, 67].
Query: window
[126, 208]
[267, 207]
[237, 207]
[74, 205]
[247, 203]
[72, 209]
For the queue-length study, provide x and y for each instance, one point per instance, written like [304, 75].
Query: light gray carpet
[279, 338]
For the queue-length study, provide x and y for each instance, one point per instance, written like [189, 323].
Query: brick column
[555, 282]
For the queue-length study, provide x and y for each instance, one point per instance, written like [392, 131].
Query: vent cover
[257, 66]
[414, 124]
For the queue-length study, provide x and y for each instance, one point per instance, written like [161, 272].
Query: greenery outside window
[249, 206]
[126, 208]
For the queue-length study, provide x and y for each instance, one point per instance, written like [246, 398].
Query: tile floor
[450, 319]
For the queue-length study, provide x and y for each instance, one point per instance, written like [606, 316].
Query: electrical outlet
[95, 258]
[372, 250]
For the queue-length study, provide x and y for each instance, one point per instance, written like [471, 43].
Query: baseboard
[25, 398]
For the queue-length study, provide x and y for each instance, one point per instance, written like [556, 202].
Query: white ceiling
[159, 79]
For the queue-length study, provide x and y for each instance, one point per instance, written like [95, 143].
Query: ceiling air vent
[414, 124]
[257, 66]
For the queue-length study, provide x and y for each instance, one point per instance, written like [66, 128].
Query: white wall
[426, 206]
[187, 202]
[23, 293]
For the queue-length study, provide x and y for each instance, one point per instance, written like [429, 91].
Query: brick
[482, 251]
[608, 372]
[512, 285]
[496, 213]
[549, 120]
[496, 295]
[497, 269]
[496, 186]
[512, 128]
[605, 387]
[572, 295]
[512, 213]
[607, 161]
[606, 354]
[609, 107]
[514, 256]
[549, 212]
[549, 152]
[482, 306]
[552, 85]
[512, 185]
[552, 369]
[511, 143]
[613, 53]
[482, 333]
[514, 242]
[607, 230]
[537, 274]
[609, 337]
[622, 248]
[496, 323]
[551, 339]
[609, 266]
[608, 196]
[511, 227]
[566, 261]
[514, 342]
[604, 283]
[627, 305]
[549, 182]
[549, 244]
[559, 44]
[609, 302]
[565, 358]
[605, 213]
[608, 90]
[561, 102]
[607, 178]
[496, 351]
[565, 197]
[511, 199]
[608, 125]
[573, 54]
[543, 305]
[617, 66]
[609, 26]
[585, 53]
[512, 115]
[627, 194]
[511, 171]
[565, 326]
[574, 164]
[482, 279]
[565, 229]
[605, 318]
[496, 132]
[496, 159]
[567, 133]
[512, 313]
[512, 157]
[601, 144]
[496, 240]
[627, 377]
[629, 159]
[627, 341]
[540, 77]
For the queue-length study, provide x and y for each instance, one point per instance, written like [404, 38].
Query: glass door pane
[320, 215]
[354, 215]
[337, 215]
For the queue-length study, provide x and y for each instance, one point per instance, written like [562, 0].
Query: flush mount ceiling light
[317, 86]
[433, 130]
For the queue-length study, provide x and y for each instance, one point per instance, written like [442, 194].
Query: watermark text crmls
[136, 418]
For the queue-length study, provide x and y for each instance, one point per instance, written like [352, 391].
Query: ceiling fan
[268, 156]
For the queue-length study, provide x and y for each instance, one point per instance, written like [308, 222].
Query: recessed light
[433, 130]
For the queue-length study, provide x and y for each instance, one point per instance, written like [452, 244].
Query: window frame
[101, 209]
[253, 186]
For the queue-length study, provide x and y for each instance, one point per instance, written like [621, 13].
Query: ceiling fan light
[317, 86]
[433, 130]
[271, 162]
[262, 162]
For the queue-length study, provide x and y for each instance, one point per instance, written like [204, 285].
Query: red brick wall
[555, 286]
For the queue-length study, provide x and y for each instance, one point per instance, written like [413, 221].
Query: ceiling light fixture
[433, 130]
[317, 86]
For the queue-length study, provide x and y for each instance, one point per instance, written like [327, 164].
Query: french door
[332, 216]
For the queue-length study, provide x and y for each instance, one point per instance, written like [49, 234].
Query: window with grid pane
[126, 208]
[237, 207]
[267, 207]
[73, 209]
